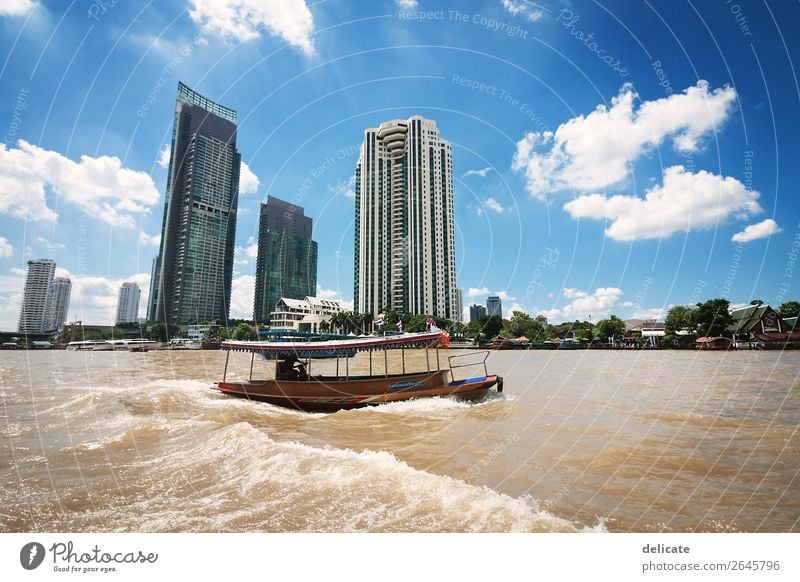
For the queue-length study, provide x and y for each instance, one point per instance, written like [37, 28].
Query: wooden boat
[294, 388]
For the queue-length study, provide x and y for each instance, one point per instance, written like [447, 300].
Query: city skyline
[617, 159]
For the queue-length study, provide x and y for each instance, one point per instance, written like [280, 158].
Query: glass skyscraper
[194, 268]
[287, 257]
[404, 229]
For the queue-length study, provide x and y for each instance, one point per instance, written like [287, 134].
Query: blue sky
[609, 157]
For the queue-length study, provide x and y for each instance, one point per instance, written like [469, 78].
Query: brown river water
[578, 441]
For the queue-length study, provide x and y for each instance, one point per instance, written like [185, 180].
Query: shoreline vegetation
[683, 327]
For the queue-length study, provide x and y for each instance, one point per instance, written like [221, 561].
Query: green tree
[162, 332]
[613, 327]
[713, 318]
[490, 326]
[245, 332]
[789, 309]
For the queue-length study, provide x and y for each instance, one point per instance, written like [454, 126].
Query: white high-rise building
[58, 308]
[404, 229]
[33, 317]
[128, 303]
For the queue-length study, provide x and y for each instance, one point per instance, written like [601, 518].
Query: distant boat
[570, 344]
[294, 387]
[713, 343]
[181, 343]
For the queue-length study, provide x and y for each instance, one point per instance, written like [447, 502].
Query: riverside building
[404, 229]
[128, 303]
[286, 266]
[34, 316]
[60, 292]
[194, 267]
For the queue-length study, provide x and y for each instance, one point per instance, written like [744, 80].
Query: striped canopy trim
[342, 348]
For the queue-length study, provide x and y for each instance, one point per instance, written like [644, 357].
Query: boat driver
[292, 369]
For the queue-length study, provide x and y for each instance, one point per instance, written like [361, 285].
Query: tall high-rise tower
[194, 268]
[34, 316]
[60, 292]
[128, 303]
[287, 257]
[494, 306]
[404, 230]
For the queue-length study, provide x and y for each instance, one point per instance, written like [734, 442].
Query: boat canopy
[336, 348]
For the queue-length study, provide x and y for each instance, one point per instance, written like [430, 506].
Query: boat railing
[477, 362]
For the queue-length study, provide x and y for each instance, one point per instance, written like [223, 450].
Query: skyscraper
[58, 303]
[494, 306]
[287, 257]
[128, 303]
[476, 312]
[34, 315]
[194, 267]
[404, 231]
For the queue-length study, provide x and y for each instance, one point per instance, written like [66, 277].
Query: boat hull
[327, 394]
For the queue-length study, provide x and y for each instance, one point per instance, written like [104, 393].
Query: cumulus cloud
[482, 173]
[149, 239]
[6, 250]
[327, 293]
[101, 187]
[243, 291]
[248, 181]
[763, 229]
[16, 7]
[495, 206]
[685, 201]
[583, 305]
[477, 291]
[241, 20]
[529, 10]
[93, 299]
[164, 156]
[595, 151]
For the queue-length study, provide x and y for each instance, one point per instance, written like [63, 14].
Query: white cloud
[595, 151]
[684, 202]
[763, 229]
[504, 296]
[524, 8]
[494, 205]
[477, 292]
[242, 296]
[657, 313]
[93, 299]
[99, 186]
[482, 173]
[242, 20]
[16, 7]
[164, 156]
[248, 181]
[407, 4]
[515, 307]
[598, 305]
[327, 293]
[347, 189]
[149, 239]
[11, 287]
[6, 250]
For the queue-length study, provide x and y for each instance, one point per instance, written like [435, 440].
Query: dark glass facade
[287, 257]
[194, 269]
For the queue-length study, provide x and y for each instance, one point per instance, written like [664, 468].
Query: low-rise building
[303, 314]
[761, 326]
